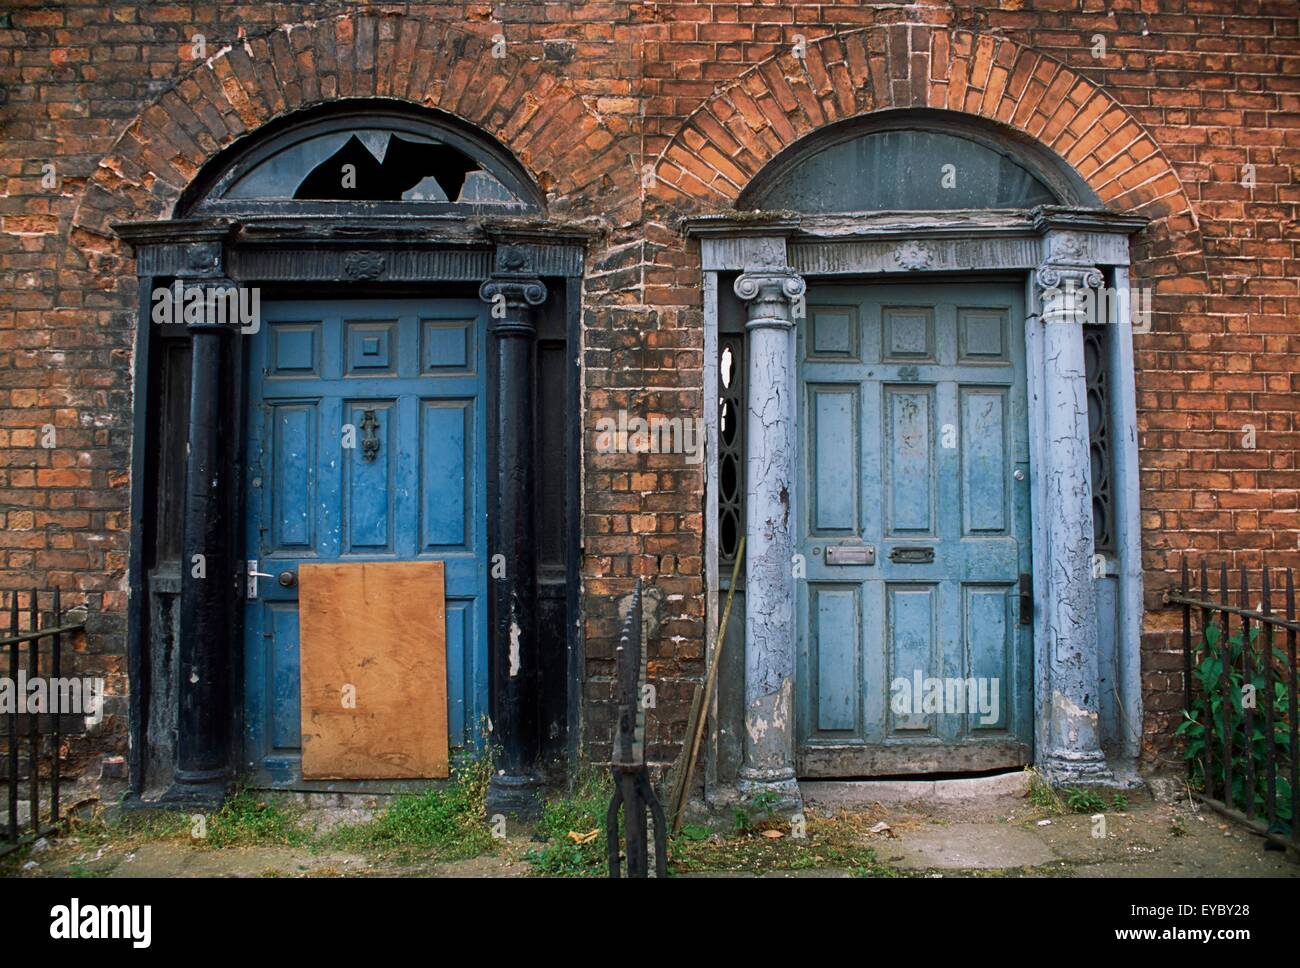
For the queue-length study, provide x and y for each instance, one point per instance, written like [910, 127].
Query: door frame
[410, 255]
[1041, 246]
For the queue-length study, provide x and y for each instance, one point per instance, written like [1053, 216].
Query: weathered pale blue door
[366, 439]
[914, 530]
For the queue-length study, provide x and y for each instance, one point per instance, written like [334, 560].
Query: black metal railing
[1239, 704]
[42, 642]
[632, 789]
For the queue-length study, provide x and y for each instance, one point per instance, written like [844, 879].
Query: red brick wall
[591, 94]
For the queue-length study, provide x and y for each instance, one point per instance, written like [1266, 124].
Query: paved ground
[994, 835]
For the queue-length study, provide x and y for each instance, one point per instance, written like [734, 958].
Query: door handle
[253, 576]
[287, 578]
[1026, 600]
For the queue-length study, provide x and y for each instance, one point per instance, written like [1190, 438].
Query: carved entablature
[303, 250]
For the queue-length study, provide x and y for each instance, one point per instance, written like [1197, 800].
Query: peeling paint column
[513, 292]
[209, 594]
[768, 765]
[1073, 752]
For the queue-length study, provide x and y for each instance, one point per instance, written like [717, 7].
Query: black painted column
[516, 780]
[208, 588]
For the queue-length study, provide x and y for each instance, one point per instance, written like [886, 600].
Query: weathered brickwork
[630, 116]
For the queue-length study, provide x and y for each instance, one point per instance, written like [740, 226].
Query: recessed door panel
[446, 467]
[910, 481]
[834, 416]
[837, 617]
[372, 464]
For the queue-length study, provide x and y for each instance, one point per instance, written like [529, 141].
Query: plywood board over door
[374, 670]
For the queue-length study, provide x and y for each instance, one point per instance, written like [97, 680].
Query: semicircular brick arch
[732, 135]
[562, 144]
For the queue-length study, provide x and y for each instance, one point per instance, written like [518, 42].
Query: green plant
[750, 816]
[1042, 795]
[245, 820]
[1084, 801]
[695, 831]
[1223, 712]
[1119, 802]
[448, 820]
[579, 813]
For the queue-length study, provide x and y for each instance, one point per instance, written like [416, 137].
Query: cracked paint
[771, 712]
[770, 585]
[1073, 713]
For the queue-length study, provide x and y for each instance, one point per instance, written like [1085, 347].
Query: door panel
[913, 424]
[405, 379]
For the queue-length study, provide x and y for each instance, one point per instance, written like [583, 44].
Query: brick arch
[730, 137]
[561, 143]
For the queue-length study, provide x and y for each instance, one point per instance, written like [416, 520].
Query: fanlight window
[903, 170]
[382, 161]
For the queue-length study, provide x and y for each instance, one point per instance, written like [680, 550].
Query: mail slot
[854, 554]
[912, 556]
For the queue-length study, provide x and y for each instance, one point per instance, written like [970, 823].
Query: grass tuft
[580, 812]
[449, 820]
[246, 820]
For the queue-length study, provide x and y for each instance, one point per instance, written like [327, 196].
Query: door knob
[287, 579]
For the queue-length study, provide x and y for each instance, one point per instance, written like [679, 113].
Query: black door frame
[511, 256]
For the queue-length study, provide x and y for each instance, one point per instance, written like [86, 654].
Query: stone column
[516, 781]
[208, 584]
[1073, 752]
[768, 764]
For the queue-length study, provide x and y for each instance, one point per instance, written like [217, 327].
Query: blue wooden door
[365, 443]
[914, 530]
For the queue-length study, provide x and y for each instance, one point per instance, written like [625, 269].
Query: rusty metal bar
[50, 713]
[1225, 686]
[12, 733]
[1203, 602]
[1266, 606]
[1279, 715]
[1209, 709]
[33, 719]
[56, 661]
[1187, 653]
[1247, 678]
[632, 789]
[1293, 711]
[42, 634]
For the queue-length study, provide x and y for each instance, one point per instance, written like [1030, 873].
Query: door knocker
[369, 437]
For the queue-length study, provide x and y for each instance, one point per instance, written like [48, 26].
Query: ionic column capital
[770, 295]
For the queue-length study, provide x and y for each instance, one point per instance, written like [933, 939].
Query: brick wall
[107, 115]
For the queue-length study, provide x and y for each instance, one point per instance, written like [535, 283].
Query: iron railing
[632, 789]
[43, 661]
[1239, 702]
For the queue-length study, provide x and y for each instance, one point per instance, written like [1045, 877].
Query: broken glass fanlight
[372, 164]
